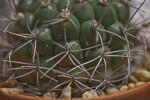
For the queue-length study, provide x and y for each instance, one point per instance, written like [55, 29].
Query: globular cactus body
[72, 39]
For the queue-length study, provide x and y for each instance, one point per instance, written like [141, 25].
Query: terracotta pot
[139, 93]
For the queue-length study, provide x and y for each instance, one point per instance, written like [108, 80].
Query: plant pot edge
[138, 93]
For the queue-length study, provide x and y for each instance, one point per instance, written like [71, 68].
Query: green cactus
[75, 42]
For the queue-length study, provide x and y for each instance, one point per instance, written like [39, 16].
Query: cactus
[77, 43]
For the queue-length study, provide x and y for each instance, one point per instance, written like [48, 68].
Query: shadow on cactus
[77, 43]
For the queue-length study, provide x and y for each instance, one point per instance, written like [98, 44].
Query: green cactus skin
[72, 31]
[35, 6]
[46, 64]
[110, 16]
[123, 11]
[88, 35]
[100, 76]
[69, 35]
[78, 55]
[78, 73]
[91, 54]
[26, 19]
[117, 61]
[45, 45]
[23, 54]
[132, 32]
[44, 13]
[85, 12]
[22, 7]
[116, 42]
[62, 5]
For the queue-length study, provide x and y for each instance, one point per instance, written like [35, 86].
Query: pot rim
[144, 90]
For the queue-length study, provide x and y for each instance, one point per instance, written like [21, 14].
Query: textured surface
[66, 42]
